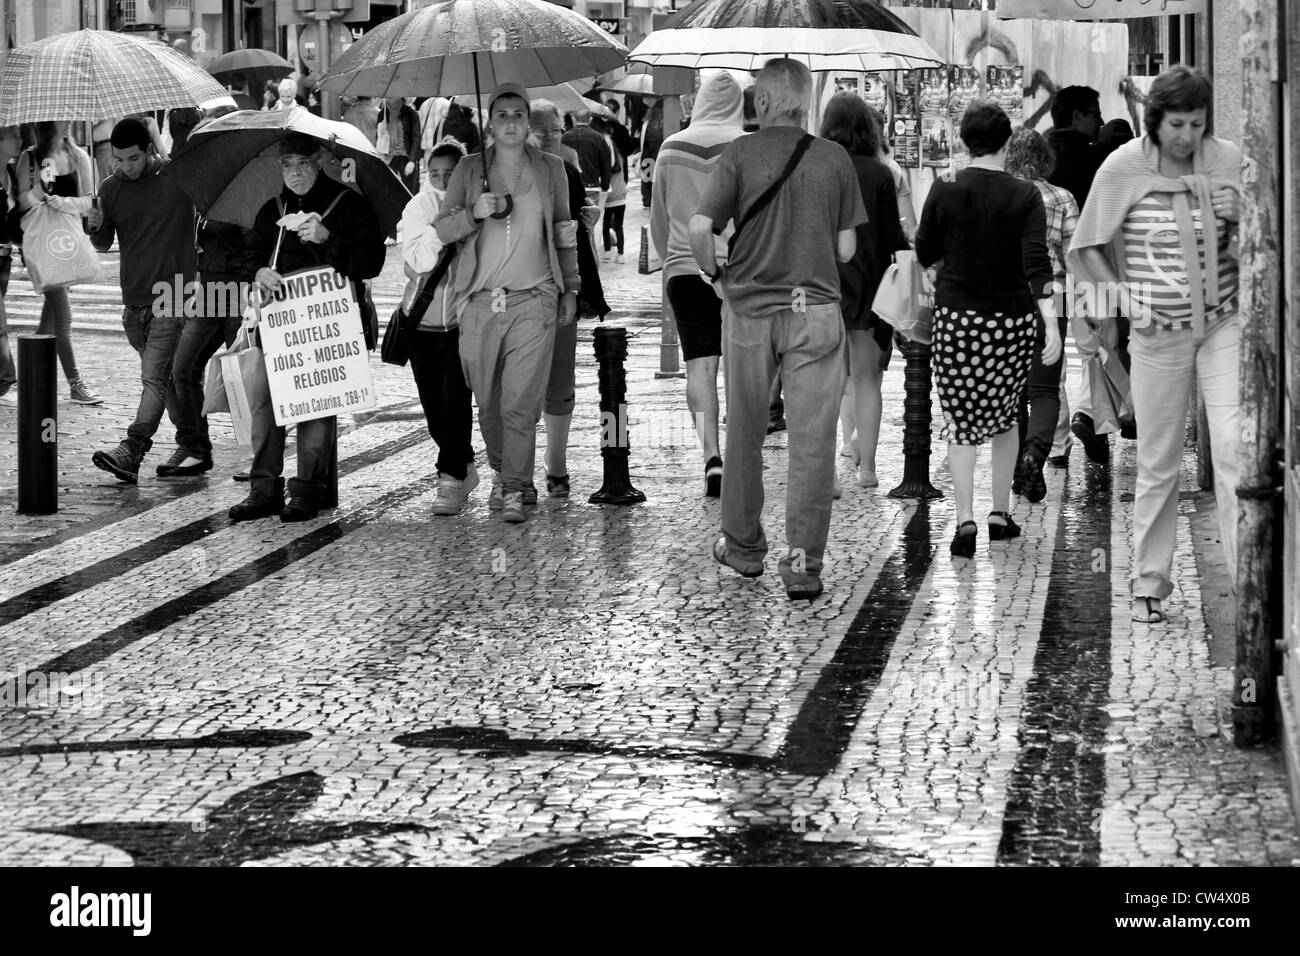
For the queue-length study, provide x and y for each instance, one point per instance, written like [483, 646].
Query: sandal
[998, 532]
[963, 542]
[1152, 613]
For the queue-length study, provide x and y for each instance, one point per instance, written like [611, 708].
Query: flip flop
[1153, 614]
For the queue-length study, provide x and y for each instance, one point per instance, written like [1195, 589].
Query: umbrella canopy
[467, 46]
[639, 83]
[565, 96]
[858, 35]
[229, 167]
[1096, 10]
[257, 65]
[96, 75]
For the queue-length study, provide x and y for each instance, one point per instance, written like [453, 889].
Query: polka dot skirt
[981, 365]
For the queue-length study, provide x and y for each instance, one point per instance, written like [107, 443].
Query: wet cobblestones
[383, 687]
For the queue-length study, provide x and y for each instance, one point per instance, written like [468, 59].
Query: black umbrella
[257, 65]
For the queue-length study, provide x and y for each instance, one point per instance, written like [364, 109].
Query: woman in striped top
[1157, 228]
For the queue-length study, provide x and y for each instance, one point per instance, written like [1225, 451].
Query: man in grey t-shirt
[781, 295]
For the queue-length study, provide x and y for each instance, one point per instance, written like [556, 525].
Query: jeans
[506, 356]
[807, 348]
[1163, 363]
[315, 447]
[56, 320]
[199, 341]
[1040, 404]
[435, 362]
[154, 339]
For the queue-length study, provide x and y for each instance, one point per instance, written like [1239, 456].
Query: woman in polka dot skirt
[988, 231]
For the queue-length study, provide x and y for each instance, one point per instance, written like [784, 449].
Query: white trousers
[1163, 364]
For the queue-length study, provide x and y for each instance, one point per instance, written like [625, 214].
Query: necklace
[510, 200]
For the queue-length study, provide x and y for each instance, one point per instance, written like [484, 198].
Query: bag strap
[770, 193]
[431, 283]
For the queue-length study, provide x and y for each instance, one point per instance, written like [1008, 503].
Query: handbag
[396, 348]
[649, 261]
[904, 298]
[242, 369]
[57, 252]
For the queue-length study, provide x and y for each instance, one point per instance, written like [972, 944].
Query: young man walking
[516, 278]
[781, 292]
[153, 221]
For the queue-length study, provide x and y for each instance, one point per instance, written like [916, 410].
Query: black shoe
[121, 463]
[963, 542]
[1128, 429]
[1095, 446]
[1018, 479]
[1000, 532]
[776, 425]
[713, 478]
[1059, 461]
[1033, 486]
[297, 509]
[257, 506]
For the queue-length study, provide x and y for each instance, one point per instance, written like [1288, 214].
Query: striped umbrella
[464, 46]
[857, 35]
[94, 75]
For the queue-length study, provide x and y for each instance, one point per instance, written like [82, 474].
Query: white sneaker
[512, 508]
[9, 398]
[452, 494]
[836, 491]
[619, 258]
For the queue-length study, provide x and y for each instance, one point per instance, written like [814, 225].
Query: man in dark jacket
[11, 144]
[593, 152]
[153, 221]
[1076, 119]
[343, 235]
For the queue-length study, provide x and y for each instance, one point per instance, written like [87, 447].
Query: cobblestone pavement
[381, 686]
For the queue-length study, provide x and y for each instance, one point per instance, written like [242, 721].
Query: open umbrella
[256, 65]
[465, 46]
[95, 75]
[229, 167]
[858, 35]
[641, 84]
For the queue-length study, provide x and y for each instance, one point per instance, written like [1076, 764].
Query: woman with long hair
[57, 171]
[989, 230]
[847, 120]
[1172, 199]
[616, 199]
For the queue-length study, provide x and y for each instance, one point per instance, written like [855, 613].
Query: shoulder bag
[770, 193]
[396, 347]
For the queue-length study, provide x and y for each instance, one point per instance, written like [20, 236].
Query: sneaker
[1031, 475]
[121, 462]
[83, 395]
[799, 585]
[512, 507]
[605, 257]
[495, 496]
[619, 259]
[529, 493]
[713, 478]
[1059, 461]
[557, 486]
[183, 465]
[776, 425]
[836, 491]
[721, 554]
[453, 493]
[9, 397]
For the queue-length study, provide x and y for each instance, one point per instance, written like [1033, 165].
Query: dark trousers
[445, 397]
[199, 342]
[1040, 403]
[613, 223]
[646, 188]
[8, 371]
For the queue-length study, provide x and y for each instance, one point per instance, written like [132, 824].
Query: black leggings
[614, 220]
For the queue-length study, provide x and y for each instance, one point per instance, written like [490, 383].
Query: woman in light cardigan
[1141, 233]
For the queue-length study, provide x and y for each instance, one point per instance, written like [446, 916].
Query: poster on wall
[848, 83]
[905, 92]
[936, 150]
[875, 91]
[963, 89]
[1006, 89]
[934, 91]
[907, 141]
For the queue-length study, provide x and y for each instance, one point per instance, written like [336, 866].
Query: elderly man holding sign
[307, 240]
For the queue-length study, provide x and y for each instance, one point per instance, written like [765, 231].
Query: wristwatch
[711, 279]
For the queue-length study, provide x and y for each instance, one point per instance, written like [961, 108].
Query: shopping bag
[56, 250]
[1112, 394]
[905, 298]
[650, 261]
[214, 391]
[243, 373]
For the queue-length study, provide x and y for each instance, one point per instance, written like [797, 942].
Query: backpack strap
[770, 193]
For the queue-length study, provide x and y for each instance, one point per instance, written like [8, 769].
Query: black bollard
[38, 426]
[916, 425]
[615, 448]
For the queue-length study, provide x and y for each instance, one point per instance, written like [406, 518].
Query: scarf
[1132, 173]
